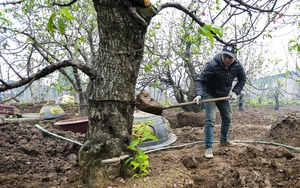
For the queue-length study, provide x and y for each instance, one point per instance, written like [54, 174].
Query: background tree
[27, 42]
[177, 52]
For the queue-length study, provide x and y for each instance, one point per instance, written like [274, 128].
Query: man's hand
[198, 99]
[232, 95]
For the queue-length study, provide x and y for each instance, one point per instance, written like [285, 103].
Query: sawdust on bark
[31, 158]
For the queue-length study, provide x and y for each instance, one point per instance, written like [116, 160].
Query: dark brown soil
[31, 158]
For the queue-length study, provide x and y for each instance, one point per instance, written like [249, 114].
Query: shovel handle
[194, 102]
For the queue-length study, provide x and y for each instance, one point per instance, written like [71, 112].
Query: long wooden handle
[194, 102]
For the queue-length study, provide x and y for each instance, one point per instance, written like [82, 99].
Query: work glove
[198, 99]
[232, 95]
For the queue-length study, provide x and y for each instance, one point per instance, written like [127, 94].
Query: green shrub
[140, 162]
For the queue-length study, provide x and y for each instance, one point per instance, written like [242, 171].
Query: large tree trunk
[112, 93]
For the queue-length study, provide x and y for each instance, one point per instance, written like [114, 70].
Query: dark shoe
[227, 143]
[208, 153]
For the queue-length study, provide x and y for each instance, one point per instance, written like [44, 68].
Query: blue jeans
[210, 119]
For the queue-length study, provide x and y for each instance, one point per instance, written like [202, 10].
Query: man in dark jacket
[216, 80]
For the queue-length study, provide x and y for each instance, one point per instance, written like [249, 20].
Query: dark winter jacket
[216, 80]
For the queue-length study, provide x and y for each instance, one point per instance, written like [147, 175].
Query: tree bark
[112, 93]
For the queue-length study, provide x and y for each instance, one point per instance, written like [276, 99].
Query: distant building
[286, 86]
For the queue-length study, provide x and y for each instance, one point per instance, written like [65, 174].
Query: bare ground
[266, 155]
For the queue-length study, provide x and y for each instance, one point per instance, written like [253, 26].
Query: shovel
[145, 103]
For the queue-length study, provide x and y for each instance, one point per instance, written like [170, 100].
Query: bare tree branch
[48, 70]
[12, 68]
[11, 3]
[188, 12]
[253, 7]
[16, 95]
[64, 5]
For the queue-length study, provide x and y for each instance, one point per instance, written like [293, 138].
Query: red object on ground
[77, 125]
[9, 109]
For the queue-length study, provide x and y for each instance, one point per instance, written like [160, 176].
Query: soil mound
[287, 129]
[31, 158]
[191, 119]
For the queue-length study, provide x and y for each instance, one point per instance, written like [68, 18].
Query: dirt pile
[31, 158]
[286, 129]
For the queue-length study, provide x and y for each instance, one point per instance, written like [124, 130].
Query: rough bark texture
[111, 100]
